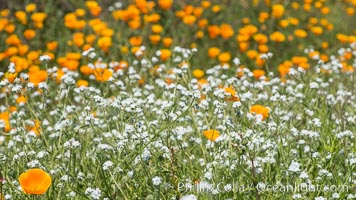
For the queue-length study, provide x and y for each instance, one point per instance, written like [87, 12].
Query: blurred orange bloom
[52, 45]
[83, 83]
[156, 28]
[226, 31]
[300, 33]
[224, 57]
[198, 73]
[231, 90]
[5, 117]
[165, 54]
[30, 7]
[21, 16]
[257, 73]
[317, 30]
[86, 70]
[35, 181]
[261, 110]
[39, 16]
[102, 75]
[212, 135]
[135, 40]
[167, 42]
[213, 52]
[165, 4]
[214, 31]
[13, 40]
[260, 38]
[277, 37]
[277, 10]
[105, 43]
[155, 39]
[189, 19]
[37, 76]
[93, 7]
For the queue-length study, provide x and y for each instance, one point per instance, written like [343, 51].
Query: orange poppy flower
[21, 16]
[262, 48]
[317, 30]
[13, 40]
[86, 70]
[105, 43]
[202, 23]
[260, 38]
[205, 4]
[167, 42]
[212, 135]
[11, 51]
[52, 45]
[224, 57]
[165, 54]
[284, 23]
[36, 77]
[153, 18]
[232, 92]
[5, 117]
[213, 52]
[263, 17]
[277, 10]
[93, 7]
[215, 8]
[29, 34]
[297, 60]
[155, 39]
[134, 24]
[80, 12]
[35, 181]
[21, 100]
[350, 11]
[73, 55]
[213, 31]
[78, 39]
[135, 40]
[71, 64]
[83, 83]
[277, 37]
[260, 110]
[156, 28]
[325, 10]
[189, 19]
[226, 31]
[90, 38]
[165, 4]
[30, 7]
[243, 46]
[257, 73]
[103, 75]
[198, 73]
[10, 28]
[283, 70]
[23, 49]
[199, 34]
[300, 33]
[38, 17]
[260, 62]
[108, 32]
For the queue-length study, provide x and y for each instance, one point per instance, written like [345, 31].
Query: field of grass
[186, 100]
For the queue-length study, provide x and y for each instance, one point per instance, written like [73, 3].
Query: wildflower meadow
[177, 99]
